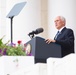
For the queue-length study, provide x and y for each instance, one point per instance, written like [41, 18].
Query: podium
[41, 50]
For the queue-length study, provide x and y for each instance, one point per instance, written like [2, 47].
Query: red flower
[19, 42]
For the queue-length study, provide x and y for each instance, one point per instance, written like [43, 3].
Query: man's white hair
[63, 19]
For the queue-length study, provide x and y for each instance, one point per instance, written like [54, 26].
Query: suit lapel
[60, 34]
[63, 29]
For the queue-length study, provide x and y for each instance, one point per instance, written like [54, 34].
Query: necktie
[56, 35]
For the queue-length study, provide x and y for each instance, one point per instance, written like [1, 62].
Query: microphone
[37, 31]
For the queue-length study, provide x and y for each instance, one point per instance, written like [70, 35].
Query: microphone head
[39, 30]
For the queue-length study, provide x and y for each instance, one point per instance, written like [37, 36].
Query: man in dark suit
[64, 37]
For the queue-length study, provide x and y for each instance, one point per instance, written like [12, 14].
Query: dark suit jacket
[66, 40]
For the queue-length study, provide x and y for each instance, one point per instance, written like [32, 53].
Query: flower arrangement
[11, 49]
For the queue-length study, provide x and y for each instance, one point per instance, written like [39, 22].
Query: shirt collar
[61, 29]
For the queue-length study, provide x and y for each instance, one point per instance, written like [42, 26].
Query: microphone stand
[31, 36]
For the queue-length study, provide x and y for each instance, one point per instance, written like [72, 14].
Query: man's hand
[49, 40]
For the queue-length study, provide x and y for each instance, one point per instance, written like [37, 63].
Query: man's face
[58, 23]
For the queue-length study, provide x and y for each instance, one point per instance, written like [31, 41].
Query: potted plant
[11, 49]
